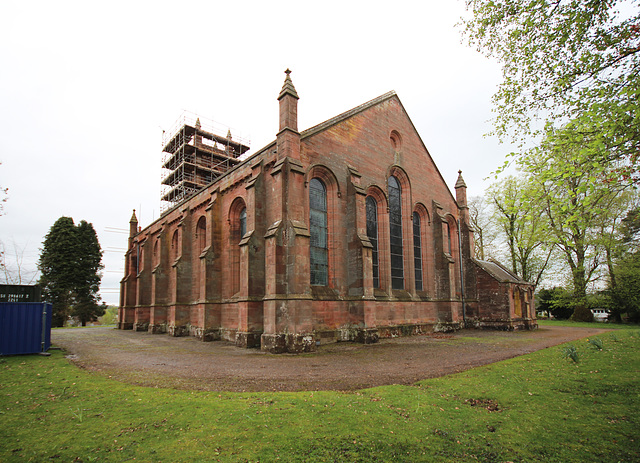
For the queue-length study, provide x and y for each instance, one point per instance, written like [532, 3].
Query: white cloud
[86, 90]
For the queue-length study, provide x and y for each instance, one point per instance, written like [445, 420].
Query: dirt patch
[186, 363]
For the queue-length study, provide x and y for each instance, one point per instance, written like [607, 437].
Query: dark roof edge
[346, 115]
[513, 278]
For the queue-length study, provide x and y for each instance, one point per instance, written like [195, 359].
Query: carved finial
[288, 88]
[460, 182]
[134, 219]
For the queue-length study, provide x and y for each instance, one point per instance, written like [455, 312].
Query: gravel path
[186, 363]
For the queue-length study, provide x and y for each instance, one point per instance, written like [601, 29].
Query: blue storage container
[25, 327]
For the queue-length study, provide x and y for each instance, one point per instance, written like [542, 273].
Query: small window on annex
[318, 228]
[395, 235]
[372, 234]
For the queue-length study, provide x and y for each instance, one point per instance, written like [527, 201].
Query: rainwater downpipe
[464, 309]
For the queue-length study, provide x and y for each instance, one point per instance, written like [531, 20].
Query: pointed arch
[237, 228]
[378, 222]
[322, 219]
[318, 229]
[451, 247]
[156, 252]
[422, 248]
[175, 245]
[201, 235]
[396, 240]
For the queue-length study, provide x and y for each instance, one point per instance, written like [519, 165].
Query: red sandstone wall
[232, 279]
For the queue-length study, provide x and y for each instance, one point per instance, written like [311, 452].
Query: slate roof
[499, 272]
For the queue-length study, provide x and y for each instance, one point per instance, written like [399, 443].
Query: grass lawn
[603, 325]
[538, 407]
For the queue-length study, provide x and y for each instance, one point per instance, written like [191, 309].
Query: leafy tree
[575, 203]
[556, 302]
[57, 267]
[480, 215]
[625, 296]
[70, 264]
[630, 230]
[110, 315]
[614, 235]
[566, 60]
[519, 215]
[623, 290]
[88, 267]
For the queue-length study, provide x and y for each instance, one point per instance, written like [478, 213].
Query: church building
[345, 231]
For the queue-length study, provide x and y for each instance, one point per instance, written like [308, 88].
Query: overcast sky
[86, 90]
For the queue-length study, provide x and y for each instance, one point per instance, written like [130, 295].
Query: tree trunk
[581, 313]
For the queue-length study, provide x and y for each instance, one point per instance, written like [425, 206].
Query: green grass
[600, 325]
[538, 407]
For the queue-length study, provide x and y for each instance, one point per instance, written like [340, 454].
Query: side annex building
[342, 232]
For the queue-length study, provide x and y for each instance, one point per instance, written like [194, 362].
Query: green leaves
[70, 264]
[565, 60]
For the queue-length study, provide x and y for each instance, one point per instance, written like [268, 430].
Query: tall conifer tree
[70, 264]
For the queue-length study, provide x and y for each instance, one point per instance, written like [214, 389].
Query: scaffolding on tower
[194, 155]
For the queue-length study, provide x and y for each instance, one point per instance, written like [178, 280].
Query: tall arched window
[417, 250]
[238, 228]
[395, 234]
[201, 234]
[156, 252]
[174, 245]
[372, 234]
[318, 228]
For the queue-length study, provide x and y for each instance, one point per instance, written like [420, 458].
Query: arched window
[238, 228]
[417, 250]
[243, 222]
[448, 243]
[372, 234]
[156, 252]
[201, 234]
[395, 234]
[318, 228]
[140, 259]
[174, 245]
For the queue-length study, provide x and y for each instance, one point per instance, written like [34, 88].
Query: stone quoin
[342, 232]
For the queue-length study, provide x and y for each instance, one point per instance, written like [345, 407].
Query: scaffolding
[194, 155]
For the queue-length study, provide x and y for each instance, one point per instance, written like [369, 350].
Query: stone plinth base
[160, 328]
[141, 326]
[508, 325]
[292, 343]
[178, 330]
[248, 339]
